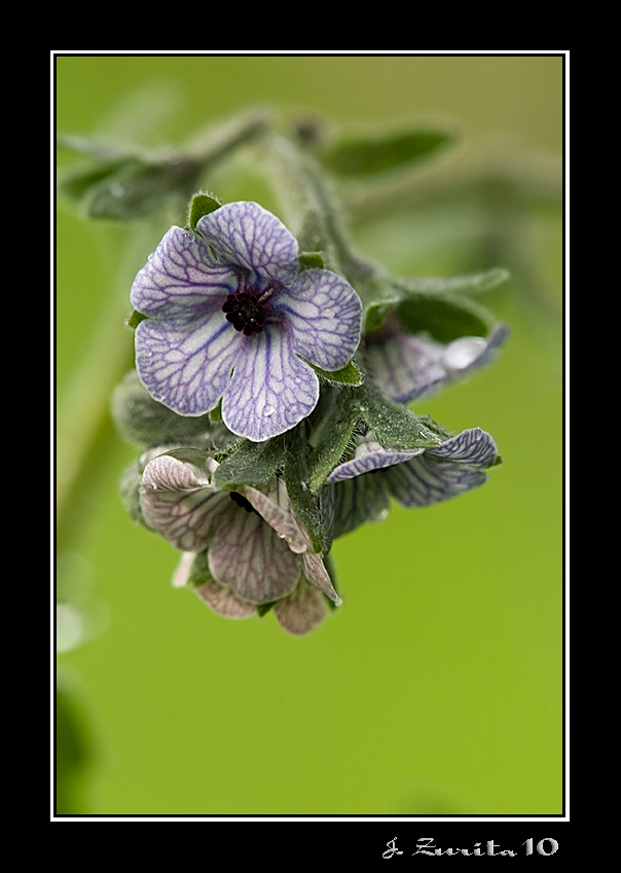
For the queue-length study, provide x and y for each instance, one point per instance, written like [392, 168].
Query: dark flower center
[240, 500]
[245, 312]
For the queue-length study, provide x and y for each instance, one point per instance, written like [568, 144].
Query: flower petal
[248, 557]
[187, 366]
[357, 501]
[275, 507]
[181, 505]
[426, 480]
[409, 367]
[475, 447]
[301, 611]
[325, 314]
[179, 278]
[223, 601]
[271, 389]
[317, 575]
[182, 571]
[246, 235]
[370, 456]
[405, 367]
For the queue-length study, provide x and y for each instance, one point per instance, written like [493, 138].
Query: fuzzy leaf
[311, 260]
[395, 424]
[445, 320]
[347, 375]
[199, 571]
[140, 188]
[437, 305]
[201, 204]
[135, 318]
[250, 463]
[365, 156]
[141, 419]
[334, 421]
[307, 504]
[470, 284]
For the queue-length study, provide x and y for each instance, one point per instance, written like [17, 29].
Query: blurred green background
[437, 689]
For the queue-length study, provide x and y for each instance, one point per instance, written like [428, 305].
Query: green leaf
[199, 571]
[365, 156]
[307, 504]
[347, 375]
[76, 185]
[332, 423]
[135, 318]
[249, 463]
[141, 419]
[216, 413]
[311, 261]
[394, 424]
[444, 319]
[140, 188]
[470, 284]
[200, 205]
[436, 306]
[376, 314]
[98, 149]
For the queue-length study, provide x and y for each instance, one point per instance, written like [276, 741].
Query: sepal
[201, 204]
[394, 424]
[311, 261]
[250, 463]
[350, 375]
[306, 503]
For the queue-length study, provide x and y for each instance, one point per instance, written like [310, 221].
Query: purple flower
[229, 316]
[412, 366]
[253, 547]
[413, 477]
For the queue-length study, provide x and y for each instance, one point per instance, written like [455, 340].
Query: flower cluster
[273, 417]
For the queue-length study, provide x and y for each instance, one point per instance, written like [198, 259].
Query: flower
[247, 549]
[229, 316]
[413, 477]
[412, 366]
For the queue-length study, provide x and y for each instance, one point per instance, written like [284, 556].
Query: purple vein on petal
[371, 456]
[179, 278]
[248, 557]
[271, 389]
[275, 507]
[324, 315]
[247, 235]
[180, 505]
[187, 371]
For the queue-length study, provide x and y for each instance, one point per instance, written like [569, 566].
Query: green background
[437, 689]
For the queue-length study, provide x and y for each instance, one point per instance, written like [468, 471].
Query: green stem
[83, 411]
[313, 215]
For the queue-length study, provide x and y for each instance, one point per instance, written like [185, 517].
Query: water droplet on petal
[464, 351]
[268, 410]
